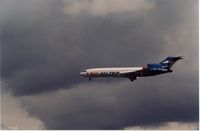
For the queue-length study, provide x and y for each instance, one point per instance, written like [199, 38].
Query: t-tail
[165, 65]
[169, 62]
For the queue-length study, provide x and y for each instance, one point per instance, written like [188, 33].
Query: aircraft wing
[132, 75]
[126, 72]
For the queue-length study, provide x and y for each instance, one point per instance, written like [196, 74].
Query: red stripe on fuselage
[92, 74]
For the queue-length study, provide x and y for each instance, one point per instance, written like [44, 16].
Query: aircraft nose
[83, 74]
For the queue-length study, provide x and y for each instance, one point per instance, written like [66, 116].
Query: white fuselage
[109, 72]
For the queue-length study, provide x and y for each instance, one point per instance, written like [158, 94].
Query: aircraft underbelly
[152, 73]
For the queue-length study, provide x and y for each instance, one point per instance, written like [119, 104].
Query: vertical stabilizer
[169, 62]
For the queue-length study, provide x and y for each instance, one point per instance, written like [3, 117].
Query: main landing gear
[132, 78]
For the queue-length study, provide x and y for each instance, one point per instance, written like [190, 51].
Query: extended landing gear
[90, 79]
[132, 78]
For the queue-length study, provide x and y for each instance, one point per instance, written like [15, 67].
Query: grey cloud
[104, 8]
[115, 105]
[44, 49]
[168, 126]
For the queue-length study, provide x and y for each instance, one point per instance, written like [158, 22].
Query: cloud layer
[104, 8]
[168, 126]
[45, 44]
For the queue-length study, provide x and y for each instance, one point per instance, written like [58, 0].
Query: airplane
[133, 72]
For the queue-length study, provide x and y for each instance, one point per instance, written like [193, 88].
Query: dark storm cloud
[44, 49]
[58, 46]
[45, 44]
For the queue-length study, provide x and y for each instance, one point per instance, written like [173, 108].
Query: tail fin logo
[166, 62]
[169, 62]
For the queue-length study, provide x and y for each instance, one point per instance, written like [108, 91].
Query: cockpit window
[84, 71]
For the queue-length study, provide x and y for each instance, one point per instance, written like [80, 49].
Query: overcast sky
[45, 44]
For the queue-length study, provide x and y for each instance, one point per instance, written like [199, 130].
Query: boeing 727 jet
[132, 72]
